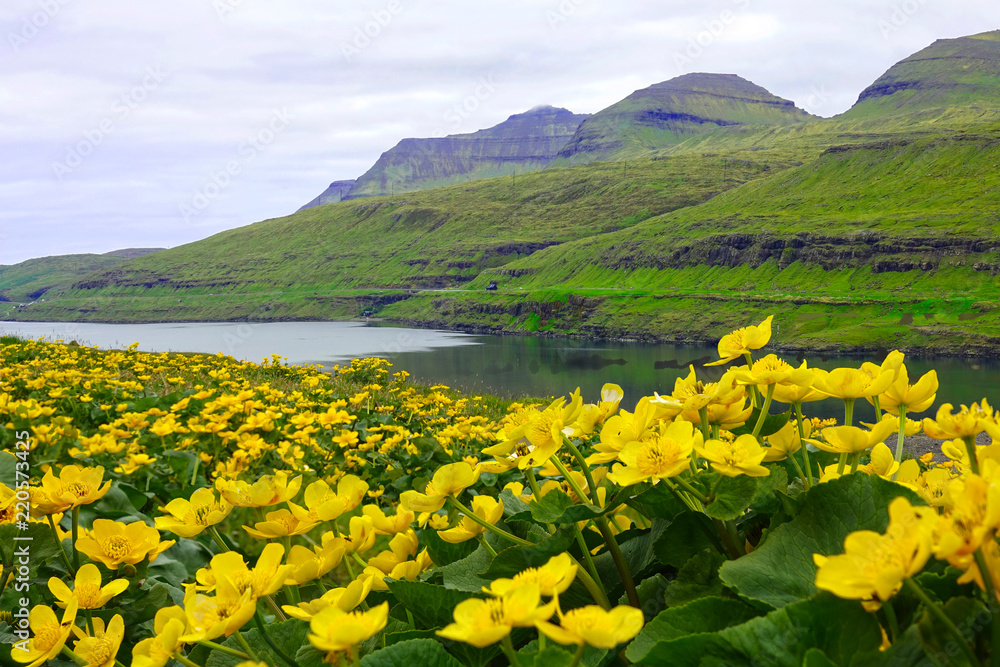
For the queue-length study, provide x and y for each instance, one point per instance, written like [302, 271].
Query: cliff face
[337, 191]
[524, 142]
[950, 72]
[669, 112]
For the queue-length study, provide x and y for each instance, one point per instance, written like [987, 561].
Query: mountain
[524, 142]
[950, 72]
[667, 113]
[874, 229]
[335, 192]
[31, 279]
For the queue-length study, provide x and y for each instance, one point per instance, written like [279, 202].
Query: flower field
[162, 509]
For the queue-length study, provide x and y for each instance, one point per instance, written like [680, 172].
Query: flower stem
[246, 646]
[899, 438]
[855, 460]
[586, 470]
[486, 545]
[183, 660]
[486, 524]
[508, 648]
[224, 649]
[805, 447]
[569, 479]
[578, 655]
[763, 410]
[703, 416]
[715, 489]
[219, 542]
[588, 559]
[693, 491]
[989, 586]
[848, 411]
[73, 656]
[616, 554]
[938, 613]
[62, 552]
[890, 615]
[529, 474]
[726, 534]
[970, 447]
[76, 530]
[270, 642]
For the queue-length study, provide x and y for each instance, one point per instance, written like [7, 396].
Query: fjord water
[504, 365]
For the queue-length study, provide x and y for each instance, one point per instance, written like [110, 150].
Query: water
[505, 365]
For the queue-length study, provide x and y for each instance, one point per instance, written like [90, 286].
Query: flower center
[79, 489]
[47, 636]
[100, 651]
[655, 457]
[88, 594]
[498, 615]
[733, 453]
[117, 546]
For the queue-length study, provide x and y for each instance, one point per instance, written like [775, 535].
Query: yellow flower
[772, 370]
[309, 564]
[621, 429]
[190, 517]
[966, 423]
[101, 649]
[49, 634]
[851, 439]
[267, 491]
[333, 629]
[485, 507]
[86, 589]
[224, 613]
[740, 457]
[991, 555]
[114, 543]
[345, 599]
[786, 441]
[448, 480]
[361, 535]
[874, 566]
[540, 434]
[741, 341]
[158, 650]
[882, 462]
[850, 383]
[665, 455]
[267, 576]
[594, 626]
[972, 517]
[916, 398]
[282, 523]
[326, 505]
[75, 486]
[552, 578]
[389, 525]
[485, 622]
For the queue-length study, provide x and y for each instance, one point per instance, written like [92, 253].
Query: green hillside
[31, 279]
[880, 227]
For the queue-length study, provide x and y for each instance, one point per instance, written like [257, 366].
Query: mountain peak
[964, 71]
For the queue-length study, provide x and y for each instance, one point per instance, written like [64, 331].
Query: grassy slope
[30, 280]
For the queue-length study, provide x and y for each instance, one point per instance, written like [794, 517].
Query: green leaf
[816, 658]
[972, 619]
[765, 500]
[517, 558]
[550, 656]
[657, 501]
[637, 549]
[512, 504]
[463, 575]
[558, 508]
[781, 570]
[706, 615]
[446, 553]
[422, 652]
[650, 590]
[431, 605]
[838, 628]
[697, 578]
[529, 655]
[904, 652]
[732, 497]
[289, 635]
[772, 424]
[683, 538]
[7, 467]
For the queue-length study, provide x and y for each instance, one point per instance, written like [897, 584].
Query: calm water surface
[506, 365]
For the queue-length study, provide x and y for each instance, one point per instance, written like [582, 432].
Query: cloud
[354, 78]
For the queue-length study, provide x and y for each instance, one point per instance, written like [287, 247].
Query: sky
[138, 124]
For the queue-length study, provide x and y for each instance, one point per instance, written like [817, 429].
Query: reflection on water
[506, 365]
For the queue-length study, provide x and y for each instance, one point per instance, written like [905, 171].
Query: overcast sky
[140, 124]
